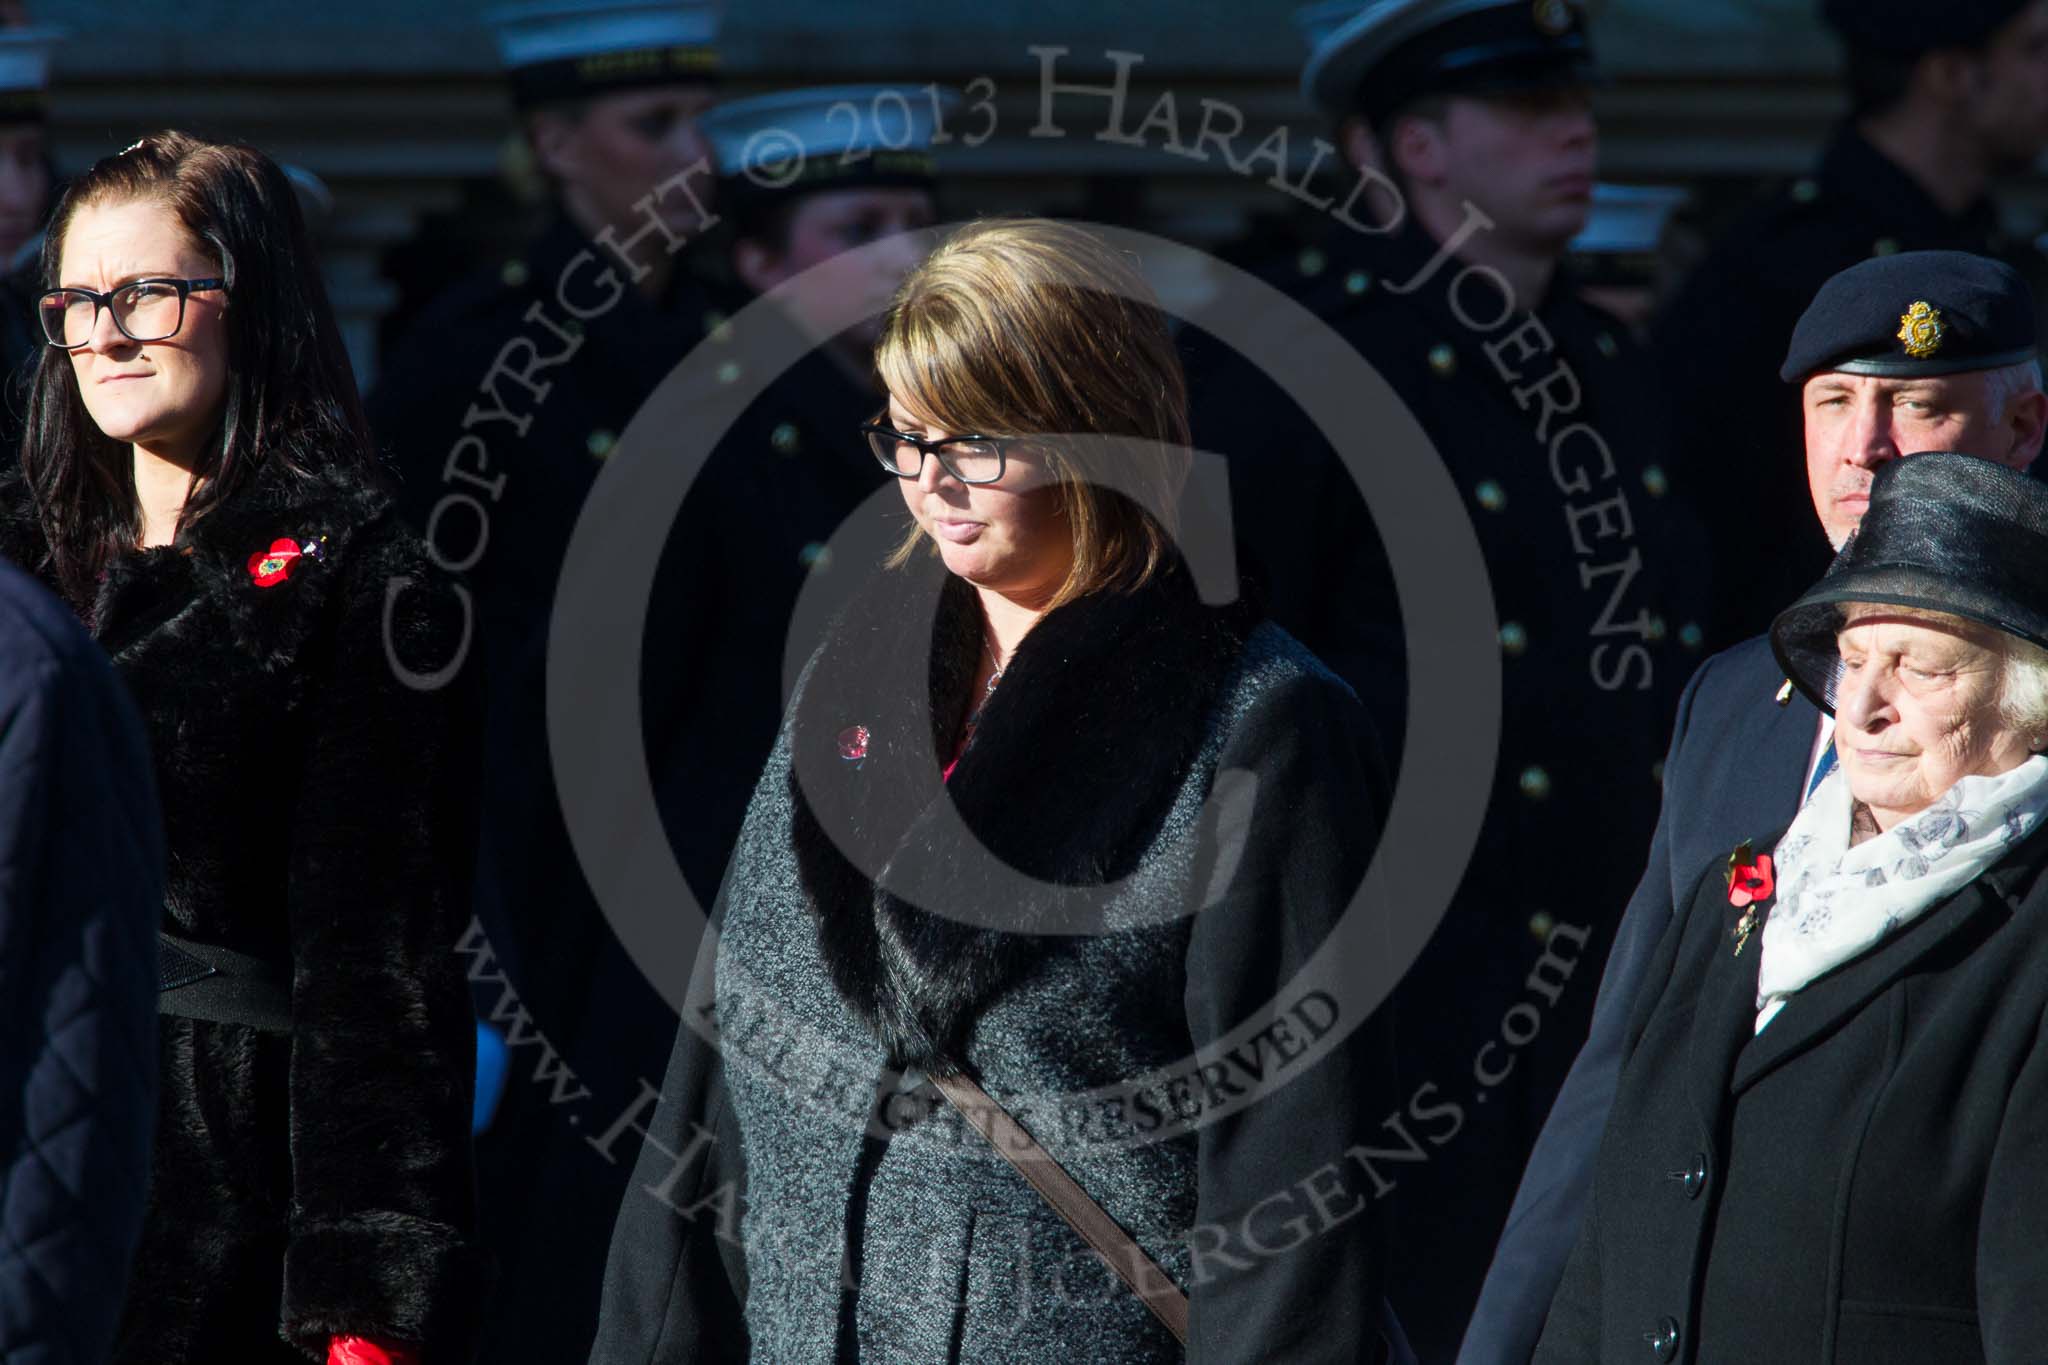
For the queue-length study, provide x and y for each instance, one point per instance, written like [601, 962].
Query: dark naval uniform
[1719, 342]
[490, 466]
[21, 344]
[1594, 576]
[757, 527]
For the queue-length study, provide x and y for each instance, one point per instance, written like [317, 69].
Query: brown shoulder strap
[1071, 1202]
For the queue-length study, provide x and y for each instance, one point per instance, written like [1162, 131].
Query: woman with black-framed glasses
[985, 854]
[198, 484]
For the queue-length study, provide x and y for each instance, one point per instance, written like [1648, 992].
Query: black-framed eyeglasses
[144, 310]
[970, 459]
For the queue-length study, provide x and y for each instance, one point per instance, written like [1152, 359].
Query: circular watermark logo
[608, 792]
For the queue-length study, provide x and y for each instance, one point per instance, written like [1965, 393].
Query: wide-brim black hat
[1944, 532]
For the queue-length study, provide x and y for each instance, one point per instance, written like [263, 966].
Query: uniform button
[1656, 481]
[729, 372]
[815, 556]
[600, 442]
[1535, 783]
[1664, 1340]
[1311, 262]
[513, 273]
[1357, 282]
[1606, 345]
[1691, 636]
[1540, 925]
[1696, 1176]
[1805, 191]
[1658, 628]
[1443, 360]
[784, 438]
[1514, 640]
[1491, 496]
[1885, 246]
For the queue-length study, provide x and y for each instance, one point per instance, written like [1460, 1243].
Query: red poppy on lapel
[1749, 880]
[273, 566]
[1750, 883]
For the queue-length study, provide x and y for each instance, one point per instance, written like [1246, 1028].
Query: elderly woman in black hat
[1830, 1140]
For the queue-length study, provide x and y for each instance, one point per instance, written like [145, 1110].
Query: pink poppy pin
[853, 743]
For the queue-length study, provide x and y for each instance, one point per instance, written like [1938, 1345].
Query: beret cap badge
[1922, 330]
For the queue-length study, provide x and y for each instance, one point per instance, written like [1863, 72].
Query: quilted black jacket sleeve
[81, 893]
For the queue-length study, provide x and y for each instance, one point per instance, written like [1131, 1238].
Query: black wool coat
[315, 816]
[768, 1219]
[1864, 1182]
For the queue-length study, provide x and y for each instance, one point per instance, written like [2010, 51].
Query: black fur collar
[1075, 762]
[212, 560]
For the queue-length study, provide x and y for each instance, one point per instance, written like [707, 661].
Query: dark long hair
[291, 393]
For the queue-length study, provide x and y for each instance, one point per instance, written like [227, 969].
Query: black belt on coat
[204, 981]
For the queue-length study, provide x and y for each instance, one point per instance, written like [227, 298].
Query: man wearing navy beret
[1931, 350]
[1944, 100]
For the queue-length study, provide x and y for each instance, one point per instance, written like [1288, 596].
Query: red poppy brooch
[273, 566]
[1750, 884]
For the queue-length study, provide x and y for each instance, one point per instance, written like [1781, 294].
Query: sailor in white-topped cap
[610, 95]
[1473, 147]
[807, 174]
[24, 155]
[498, 409]
[26, 176]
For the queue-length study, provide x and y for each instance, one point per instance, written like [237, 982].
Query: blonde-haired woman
[985, 851]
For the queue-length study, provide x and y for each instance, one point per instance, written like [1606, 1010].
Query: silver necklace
[996, 657]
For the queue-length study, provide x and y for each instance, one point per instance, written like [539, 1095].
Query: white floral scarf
[1834, 901]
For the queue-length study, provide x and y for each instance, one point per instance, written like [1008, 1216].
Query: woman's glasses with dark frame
[63, 311]
[970, 459]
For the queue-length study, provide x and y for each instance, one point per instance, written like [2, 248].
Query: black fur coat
[321, 1182]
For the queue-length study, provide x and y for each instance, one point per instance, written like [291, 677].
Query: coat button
[1691, 636]
[729, 372]
[1357, 282]
[1656, 481]
[1885, 246]
[1443, 360]
[599, 443]
[1535, 783]
[1664, 1341]
[1490, 495]
[1514, 639]
[785, 438]
[1696, 1176]
[1607, 345]
[513, 273]
[1311, 262]
[1805, 191]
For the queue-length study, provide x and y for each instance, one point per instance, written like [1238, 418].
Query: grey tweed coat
[804, 1195]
